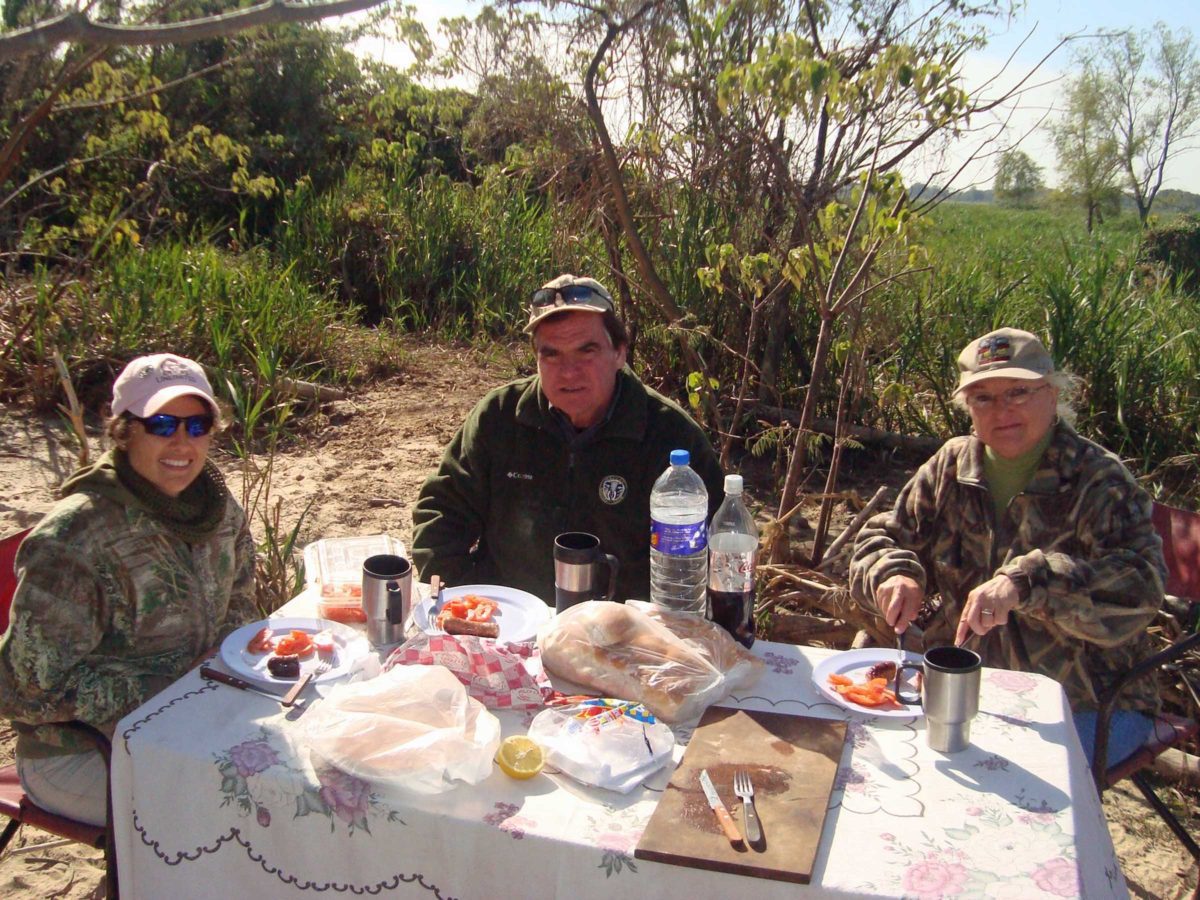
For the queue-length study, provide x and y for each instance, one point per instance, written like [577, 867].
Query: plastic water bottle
[732, 556]
[679, 537]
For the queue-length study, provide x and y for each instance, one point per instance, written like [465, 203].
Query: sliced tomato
[261, 642]
[835, 678]
[298, 643]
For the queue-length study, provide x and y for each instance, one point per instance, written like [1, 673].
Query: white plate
[854, 664]
[519, 614]
[348, 645]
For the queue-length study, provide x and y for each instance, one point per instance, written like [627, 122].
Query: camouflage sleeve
[59, 616]
[243, 602]
[896, 542]
[1111, 594]
[450, 512]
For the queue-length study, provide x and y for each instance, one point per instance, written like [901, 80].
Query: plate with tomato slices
[850, 671]
[518, 613]
[248, 650]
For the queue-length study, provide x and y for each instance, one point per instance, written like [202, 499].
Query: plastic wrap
[676, 664]
[610, 744]
[500, 676]
[413, 728]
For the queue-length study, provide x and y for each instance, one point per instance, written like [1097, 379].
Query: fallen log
[839, 543]
[863, 434]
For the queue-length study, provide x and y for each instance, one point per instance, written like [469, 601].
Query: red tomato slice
[324, 642]
[298, 643]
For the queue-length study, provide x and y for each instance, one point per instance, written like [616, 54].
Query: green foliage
[1176, 246]
[1018, 178]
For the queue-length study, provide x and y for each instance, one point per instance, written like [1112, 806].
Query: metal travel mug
[578, 570]
[949, 695]
[386, 597]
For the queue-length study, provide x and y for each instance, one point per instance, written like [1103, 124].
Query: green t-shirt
[1007, 477]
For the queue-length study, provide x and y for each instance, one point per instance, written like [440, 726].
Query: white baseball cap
[149, 383]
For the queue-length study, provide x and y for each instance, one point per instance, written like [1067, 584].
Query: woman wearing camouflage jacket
[146, 563]
[1038, 540]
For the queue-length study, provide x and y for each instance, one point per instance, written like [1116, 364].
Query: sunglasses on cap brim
[571, 295]
[164, 426]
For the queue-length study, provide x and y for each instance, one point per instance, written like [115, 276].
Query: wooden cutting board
[792, 761]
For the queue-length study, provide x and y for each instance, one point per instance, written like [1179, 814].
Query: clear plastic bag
[500, 676]
[609, 744]
[676, 664]
[413, 728]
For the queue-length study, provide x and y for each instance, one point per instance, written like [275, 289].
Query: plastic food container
[333, 570]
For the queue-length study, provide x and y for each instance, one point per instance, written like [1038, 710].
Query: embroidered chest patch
[613, 489]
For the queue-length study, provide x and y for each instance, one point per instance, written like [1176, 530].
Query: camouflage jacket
[109, 609]
[1077, 541]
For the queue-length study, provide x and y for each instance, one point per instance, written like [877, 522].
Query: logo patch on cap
[994, 349]
[613, 489]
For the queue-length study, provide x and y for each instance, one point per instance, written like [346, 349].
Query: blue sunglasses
[164, 426]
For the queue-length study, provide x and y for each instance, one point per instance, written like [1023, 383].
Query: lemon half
[520, 756]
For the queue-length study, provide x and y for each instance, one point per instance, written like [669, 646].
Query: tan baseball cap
[149, 383]
[1004, 353]
[566, 293]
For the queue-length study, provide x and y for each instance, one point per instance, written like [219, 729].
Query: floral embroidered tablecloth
[214, 795]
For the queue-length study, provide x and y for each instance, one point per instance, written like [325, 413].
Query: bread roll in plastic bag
[675, 664]
[611, 744]
[413, 728]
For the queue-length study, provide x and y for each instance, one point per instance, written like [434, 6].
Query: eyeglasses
[571, 295]
[164, 426]
[1017, 396]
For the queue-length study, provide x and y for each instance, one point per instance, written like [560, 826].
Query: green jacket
[1077, 541]
[509, 483]
[110, 608]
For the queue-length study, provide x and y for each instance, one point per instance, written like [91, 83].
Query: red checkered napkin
[500, 676]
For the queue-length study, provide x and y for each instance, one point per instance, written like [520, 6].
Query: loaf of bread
[675, 664]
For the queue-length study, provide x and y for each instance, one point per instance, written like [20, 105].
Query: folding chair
[14, 803]
[1180, 533]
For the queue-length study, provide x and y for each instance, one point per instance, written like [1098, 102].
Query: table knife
[714, 800]
[241, 684]
[289, 699]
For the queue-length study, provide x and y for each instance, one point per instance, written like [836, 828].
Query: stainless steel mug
[386, 597]
[578, 567]
[949, 695]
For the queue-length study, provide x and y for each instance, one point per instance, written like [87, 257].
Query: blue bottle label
[678, 540]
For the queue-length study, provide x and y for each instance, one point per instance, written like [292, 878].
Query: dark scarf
[193, 516]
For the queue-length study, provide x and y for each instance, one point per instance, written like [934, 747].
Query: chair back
[1180, 533]
[8, 573]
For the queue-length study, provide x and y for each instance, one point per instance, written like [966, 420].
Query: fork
[744, 788]
[319, 669]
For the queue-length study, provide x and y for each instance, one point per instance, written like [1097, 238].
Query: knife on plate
[714, 800]
[234, 681]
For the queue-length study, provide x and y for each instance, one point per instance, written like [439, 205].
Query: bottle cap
[680, 457]
[733, 484]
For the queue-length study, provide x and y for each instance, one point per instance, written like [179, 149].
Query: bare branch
[77, 28]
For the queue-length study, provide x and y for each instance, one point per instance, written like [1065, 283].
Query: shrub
[1175, 245]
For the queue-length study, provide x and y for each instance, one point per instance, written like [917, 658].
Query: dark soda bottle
[732, 555]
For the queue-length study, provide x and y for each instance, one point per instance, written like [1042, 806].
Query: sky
[1031, 35]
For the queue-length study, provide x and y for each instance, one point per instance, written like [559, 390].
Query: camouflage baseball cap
[566, 293]
[1005, 353]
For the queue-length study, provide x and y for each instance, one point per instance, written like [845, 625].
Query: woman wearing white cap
[1038, 541]
[146, 563]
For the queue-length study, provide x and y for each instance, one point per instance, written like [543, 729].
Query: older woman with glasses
[146, 563]
[1038, 541]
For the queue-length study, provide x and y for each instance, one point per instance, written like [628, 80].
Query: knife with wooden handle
[242, 684]
[714, 800]
[289, 699]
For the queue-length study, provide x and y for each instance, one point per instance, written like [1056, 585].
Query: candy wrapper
[500, 676]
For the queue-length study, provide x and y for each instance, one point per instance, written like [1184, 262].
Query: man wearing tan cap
[576, 447]
[1038, 541]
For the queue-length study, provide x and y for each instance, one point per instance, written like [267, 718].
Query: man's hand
[987, 606]
[899, 599]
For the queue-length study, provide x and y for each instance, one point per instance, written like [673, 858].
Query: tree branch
[77, 28]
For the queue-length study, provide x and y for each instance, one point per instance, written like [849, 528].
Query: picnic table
[215, 795]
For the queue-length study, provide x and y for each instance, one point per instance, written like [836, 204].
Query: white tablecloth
[214, 796]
